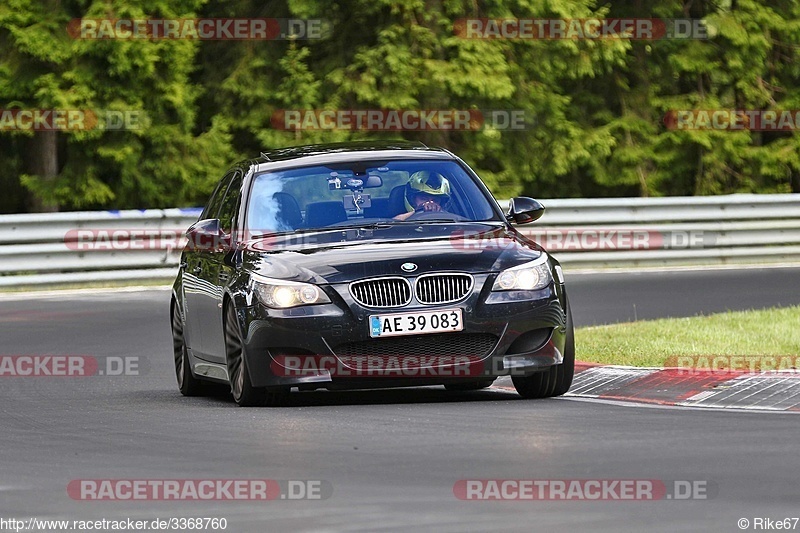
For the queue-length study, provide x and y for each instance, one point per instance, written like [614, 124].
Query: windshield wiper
[282, 233]
[383, 224]
[425, 220]
[371, 225]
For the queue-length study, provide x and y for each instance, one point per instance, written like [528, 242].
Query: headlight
[281, 294]
[526, 277]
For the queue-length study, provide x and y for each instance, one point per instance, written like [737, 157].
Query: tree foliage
[598, 105]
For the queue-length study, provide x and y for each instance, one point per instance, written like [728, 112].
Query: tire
[554, 381]
[242, 389]
[187, 383]
[566, 370]
[469, 385]
[536, 385]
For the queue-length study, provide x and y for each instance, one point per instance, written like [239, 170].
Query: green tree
[748, 62]
[595, 108]
[165, 162]
[393, 54]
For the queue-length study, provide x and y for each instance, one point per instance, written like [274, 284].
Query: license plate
[415, 323]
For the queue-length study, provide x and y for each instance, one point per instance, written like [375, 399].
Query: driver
[425, 192]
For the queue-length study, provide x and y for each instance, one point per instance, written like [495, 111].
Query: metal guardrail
[45, 249]
[645, 232]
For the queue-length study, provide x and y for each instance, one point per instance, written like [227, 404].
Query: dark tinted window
[214, 203]
[228, 211]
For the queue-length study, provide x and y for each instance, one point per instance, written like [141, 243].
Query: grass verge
[768, 332]
[121, 284]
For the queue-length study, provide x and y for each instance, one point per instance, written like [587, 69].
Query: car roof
[315, 154]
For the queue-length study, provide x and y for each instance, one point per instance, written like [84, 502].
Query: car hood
[344, 255]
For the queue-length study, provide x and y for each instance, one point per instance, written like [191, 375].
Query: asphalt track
[601, 298]
[392, 458]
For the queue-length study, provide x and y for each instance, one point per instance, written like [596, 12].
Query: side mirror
[206, 235]
[524, 210]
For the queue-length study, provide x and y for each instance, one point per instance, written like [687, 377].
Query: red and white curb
[768, 391]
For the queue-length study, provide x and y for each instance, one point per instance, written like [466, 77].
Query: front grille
[471, 345]
[443, 288]
[382, 292]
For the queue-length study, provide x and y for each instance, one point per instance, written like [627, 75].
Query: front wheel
[554, 381]
[242, 389]
[566, 370]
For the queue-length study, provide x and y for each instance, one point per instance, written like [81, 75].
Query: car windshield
[364, 193]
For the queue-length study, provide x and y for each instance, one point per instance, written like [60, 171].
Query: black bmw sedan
[366, 265]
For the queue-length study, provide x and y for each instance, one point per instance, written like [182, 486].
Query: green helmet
[426, 182]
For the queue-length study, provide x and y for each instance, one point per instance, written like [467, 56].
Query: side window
[227, 211]
[212, 208]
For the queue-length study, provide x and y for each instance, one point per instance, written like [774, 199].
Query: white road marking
[626, 403]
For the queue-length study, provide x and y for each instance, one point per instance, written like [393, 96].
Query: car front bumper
[329, 345]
